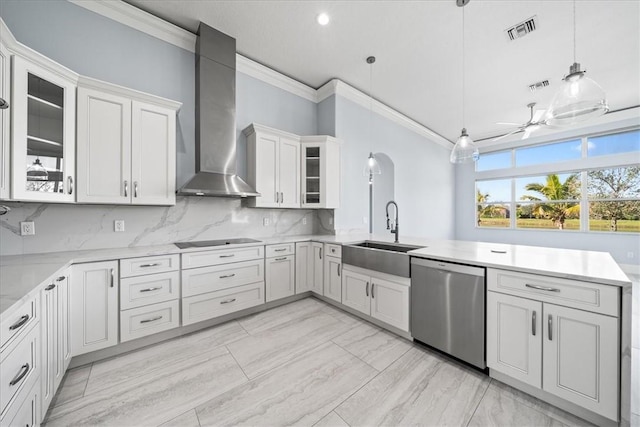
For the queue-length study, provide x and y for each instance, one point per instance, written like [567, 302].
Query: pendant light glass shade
[372, 167]
[37, 172]
[579, 99]
[465, 150]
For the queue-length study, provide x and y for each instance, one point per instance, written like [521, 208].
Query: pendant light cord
[371, 105]
[463, 88]
[574, 31]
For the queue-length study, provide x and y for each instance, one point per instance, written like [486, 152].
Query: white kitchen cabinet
[514, 344]
[332, 277]
[279, 277]
[273, 167]
[64, 321]
[304, 269]
[51, 361]
[320, 172]
[317, 283]
[126, 147]
[5, 134]
[43, 113]
[94, 306]
[381, 296]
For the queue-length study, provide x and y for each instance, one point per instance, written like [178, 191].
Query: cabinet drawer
[571, 293]
[149, 289]
[148, 320]
[24, 411]
[333, 250]
[150, 264]
[207, 306]
[208, 279]
[19, 368]
[223, 256]
[19, 322]
[272, 251]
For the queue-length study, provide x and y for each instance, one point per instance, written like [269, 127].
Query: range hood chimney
[216, 119]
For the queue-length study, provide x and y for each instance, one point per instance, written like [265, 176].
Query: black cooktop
[207, 243]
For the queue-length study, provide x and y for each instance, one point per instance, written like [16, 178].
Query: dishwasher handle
[448, 267]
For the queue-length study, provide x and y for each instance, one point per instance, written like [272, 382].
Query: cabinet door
[49, 339]
[355, 291]
[279, 277]
[94, 306]
[514, 337]
[64, 343]
[104, 147]
[153, 155]
[4, 123]
[317, 284]
[312, 156]
[333, 278]
[43, 129]
[304, 268]
[266, 167]
[289, 173]
[390, 303]
[580, 358]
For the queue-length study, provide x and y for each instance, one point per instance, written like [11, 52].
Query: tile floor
[304, 363]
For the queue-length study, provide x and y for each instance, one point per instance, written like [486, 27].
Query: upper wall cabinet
[43, 128]
[126, 146]
[320, 172]
[5, 72]
[273, 160]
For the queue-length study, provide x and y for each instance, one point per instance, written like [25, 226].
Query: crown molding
[138, 19]
[254, 69]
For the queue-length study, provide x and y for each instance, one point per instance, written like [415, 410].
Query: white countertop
[21, 275]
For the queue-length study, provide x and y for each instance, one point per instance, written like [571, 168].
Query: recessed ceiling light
[323, 19]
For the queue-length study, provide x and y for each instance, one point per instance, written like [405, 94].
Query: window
[588, 184]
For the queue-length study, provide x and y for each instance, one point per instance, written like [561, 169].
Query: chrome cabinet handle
[126, 189]
[20, 322]
[226, 256]
[23, 371]
[227, 301]
[111, 278]
[281, 259]
[51, 286]
[550, 323]
[281, 197]
[320, 253]
[153, 319]
[61, 278]
[155, 288]
[366, 289]
[277, 197]
[533, 323]
[227, 276]
[338, 265]
[135, 188]
[280, 250]
[372, 286]
[542, 288]
[153, 264]
[70, 185]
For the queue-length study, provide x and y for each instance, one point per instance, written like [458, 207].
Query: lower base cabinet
[29, 412]
[333, 278]
[280, 280]
[147, 320]
[383, 299]
[213, 304]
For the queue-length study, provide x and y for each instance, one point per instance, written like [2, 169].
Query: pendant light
[579, 98]
[465, 150]
[371, 167]
[37, 172]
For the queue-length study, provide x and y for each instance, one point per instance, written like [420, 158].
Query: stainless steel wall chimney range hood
[216, 119]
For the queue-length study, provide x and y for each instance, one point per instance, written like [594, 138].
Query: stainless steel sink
[390, 258]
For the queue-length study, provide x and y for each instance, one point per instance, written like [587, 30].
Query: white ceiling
[418, 45]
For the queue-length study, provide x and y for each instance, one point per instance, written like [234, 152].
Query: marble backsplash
[77, 227]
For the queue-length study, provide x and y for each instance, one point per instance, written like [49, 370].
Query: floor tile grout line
[479, 402]
[86, 383]
[195, 410]
[357, 357]
[338, 415]
[237, 363]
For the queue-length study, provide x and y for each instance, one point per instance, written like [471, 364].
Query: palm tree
[563, 192]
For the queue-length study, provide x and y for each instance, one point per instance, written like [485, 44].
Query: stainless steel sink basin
[390, 258]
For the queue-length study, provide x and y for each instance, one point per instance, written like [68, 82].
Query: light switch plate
[118, 225]
[27, 228]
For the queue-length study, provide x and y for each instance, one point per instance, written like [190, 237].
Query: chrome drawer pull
[70, 185]
[112, 278]
[61, 278]
[227, 276]
[372, 285]
[533, 323]
[153, 319]
[366, 289]
[135, 189]
[280, 250]
[126, 189]
[23, 371]
[227, 256]
[154, 264]
[542, 288]
[155, 288]
[338, 265]
[51, 286]
[550, 322]
[19, 323]
[281, 259]
[227, 301]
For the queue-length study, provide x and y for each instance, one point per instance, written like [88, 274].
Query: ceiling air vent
[538, 85]
[522, 29]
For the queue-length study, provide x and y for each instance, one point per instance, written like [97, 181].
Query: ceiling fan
[535, 122]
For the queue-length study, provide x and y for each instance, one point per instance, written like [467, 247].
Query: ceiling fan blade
[508, 123]
[537, 116]
[506, 135]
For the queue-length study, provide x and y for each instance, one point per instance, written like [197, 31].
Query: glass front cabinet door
[320, 172]
[43, 120]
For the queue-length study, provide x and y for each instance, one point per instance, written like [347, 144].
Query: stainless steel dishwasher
[447, 308]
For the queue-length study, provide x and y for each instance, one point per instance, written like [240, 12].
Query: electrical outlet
[304, 220]
[27, 228]
[118, 225]
[630, 255]
[266, 221]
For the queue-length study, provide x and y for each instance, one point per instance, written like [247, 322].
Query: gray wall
[98, 47]
[423, 178]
